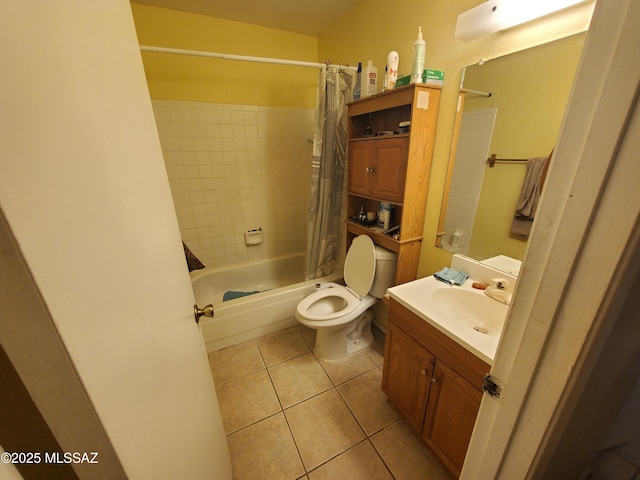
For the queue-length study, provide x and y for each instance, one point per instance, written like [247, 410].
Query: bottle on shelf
[362, 216]
[392, 75]
[419, 47]
[370, 80]
[456, 238]
[358, 88]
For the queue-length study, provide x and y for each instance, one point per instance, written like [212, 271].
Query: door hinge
[490, 386]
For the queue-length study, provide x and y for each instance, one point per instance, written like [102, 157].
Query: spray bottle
[357, 88]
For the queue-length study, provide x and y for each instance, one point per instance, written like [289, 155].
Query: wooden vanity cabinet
[392, 168]
[434, 383]
[404, 381]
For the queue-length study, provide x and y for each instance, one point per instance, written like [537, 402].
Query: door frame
[582, 259]
[33, 345]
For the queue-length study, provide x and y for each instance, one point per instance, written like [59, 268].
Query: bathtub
[281, 284]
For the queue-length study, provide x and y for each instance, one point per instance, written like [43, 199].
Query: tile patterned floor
[289, 415]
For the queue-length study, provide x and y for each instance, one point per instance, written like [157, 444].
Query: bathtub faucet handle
[206, 311]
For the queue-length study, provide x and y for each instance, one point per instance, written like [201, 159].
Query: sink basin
[478, 312]
[463, 313]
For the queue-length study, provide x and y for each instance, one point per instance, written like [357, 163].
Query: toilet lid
[360, 265]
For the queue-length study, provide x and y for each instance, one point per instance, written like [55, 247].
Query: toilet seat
[360, 265]
[335, 290]
[359, 272]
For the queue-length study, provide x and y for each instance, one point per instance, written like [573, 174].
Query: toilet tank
[385, 277]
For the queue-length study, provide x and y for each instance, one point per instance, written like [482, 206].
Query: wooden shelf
[379, 137]
[392, 168]
[389, 99]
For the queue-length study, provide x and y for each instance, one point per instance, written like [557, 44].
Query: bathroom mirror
[519, 120]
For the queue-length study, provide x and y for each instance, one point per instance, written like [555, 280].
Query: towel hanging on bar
[529, 195]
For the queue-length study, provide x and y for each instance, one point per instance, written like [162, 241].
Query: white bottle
[369, 80]
[419, 48]
[456, 238]
[392, 65]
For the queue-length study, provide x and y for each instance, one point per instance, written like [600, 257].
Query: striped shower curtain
[328, 177]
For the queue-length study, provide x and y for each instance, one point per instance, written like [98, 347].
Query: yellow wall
[368, 31]
[531, 89]
[374, 27]
[224, 81]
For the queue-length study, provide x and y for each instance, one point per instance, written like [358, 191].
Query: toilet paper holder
[253, 237]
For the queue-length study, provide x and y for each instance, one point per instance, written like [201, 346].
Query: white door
[84, 191]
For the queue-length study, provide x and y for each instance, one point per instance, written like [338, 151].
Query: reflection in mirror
[518, 122]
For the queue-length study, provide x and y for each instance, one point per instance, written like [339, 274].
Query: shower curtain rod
[245, 58]
[478, 92]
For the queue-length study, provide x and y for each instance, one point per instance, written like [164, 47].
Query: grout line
[367, 437]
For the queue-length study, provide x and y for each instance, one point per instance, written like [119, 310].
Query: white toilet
[339, 313]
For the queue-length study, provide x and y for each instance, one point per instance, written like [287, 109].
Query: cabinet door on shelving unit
[407, 370]
[390, 169]
[451, 414]
[360, 166]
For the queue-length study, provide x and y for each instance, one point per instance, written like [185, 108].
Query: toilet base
[336, 343]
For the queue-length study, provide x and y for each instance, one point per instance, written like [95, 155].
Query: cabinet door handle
[423, 373]
[433, 380]
[369, 169]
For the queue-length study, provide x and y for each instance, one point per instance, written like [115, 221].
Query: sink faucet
[500, 290]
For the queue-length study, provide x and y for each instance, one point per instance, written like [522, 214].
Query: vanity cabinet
[434, 383]
[389, 165]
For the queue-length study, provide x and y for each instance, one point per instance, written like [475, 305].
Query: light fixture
[495, 15]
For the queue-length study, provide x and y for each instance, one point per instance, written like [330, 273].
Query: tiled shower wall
[471, 155]
[234, 168]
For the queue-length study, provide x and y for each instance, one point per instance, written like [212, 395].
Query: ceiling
[310, 17]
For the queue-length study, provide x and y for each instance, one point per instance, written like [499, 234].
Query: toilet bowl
[341, 313]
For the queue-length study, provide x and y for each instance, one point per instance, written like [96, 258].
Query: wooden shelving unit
[392, 168]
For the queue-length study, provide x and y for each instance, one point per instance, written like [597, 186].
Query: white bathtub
[246, 318]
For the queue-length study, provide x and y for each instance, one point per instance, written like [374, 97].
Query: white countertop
[475, 323]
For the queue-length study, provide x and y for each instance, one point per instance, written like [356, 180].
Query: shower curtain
[328, 179]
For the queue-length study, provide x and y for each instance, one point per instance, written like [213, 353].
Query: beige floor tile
[282, 346]
[235, 362]
[342, 370]
[368, 402]
[309, 335]
[247, 400]
[405, 455]
[299, 379]
[322, 428]
[376, 351]
[265, 450]
[358, 463]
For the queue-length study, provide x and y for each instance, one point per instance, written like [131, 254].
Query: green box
[402, 81]
[433, 77]
[429, 77]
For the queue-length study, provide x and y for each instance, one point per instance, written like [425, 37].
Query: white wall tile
[471, 154]
[234, 168]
